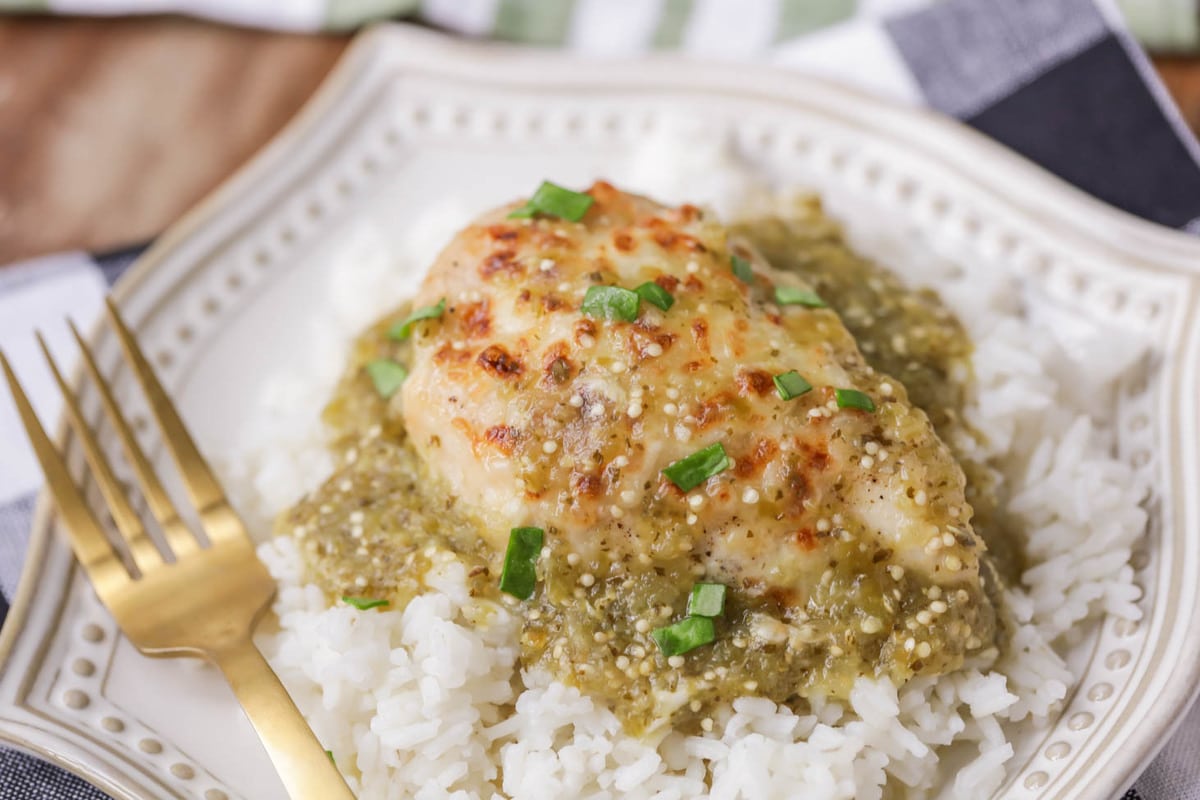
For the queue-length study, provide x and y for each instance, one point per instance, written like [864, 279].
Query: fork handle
[307, 771]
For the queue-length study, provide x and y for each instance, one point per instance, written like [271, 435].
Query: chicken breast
[535, 413]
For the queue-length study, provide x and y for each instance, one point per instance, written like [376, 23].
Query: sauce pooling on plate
[670, 454]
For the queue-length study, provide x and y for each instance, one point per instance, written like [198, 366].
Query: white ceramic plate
[409, 116]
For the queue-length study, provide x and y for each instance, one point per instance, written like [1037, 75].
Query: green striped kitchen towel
[1165, 25]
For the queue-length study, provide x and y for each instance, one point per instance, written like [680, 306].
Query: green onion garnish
[655, 295]
[687, 634]
[706, 600]
[852, 398]
[365, 603]
[791, 296]
[519, 576]
[401, 330]
[611, 302]
[555, 201]
[741, 268]
[387, 376]
[791, 385]
[329, 753]
[688, 473]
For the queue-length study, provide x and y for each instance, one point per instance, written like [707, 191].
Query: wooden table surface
[110, 129]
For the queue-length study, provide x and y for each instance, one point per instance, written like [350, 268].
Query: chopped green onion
[402, 330]
[688, 473]
[655, 295]
[852, 398]
[611, 302]
[387, 376]
[741, 268]
[707, 600]
[687, 634]
[365, 603]
[519, 576]
[329, 753]
[555, 201]
[791, 296]
[791, 385]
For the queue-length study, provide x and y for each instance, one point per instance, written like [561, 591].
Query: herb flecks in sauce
[852, 398]
[741, 268]
[365, 603]
[688, 473]
[655, 295]
[403, 328]
[612, 303]
[707, 600]
[384, 518]
[790, 296]
[791, 384]
[518, 577]
[386, 375]
[554, 201]
[683, 636]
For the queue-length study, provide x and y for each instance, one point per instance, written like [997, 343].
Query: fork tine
[179, 538]
[216, 515]
[145, 554]
[88, 539]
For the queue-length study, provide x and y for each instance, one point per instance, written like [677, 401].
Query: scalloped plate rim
[1047, 203]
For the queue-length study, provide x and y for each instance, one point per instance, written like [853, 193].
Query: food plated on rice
[630, 501]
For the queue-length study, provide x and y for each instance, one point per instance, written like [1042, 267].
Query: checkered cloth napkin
[1060, 81]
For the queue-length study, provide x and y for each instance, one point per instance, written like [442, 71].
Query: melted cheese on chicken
[534, 413]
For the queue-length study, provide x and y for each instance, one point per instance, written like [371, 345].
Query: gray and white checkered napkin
[1060, 82]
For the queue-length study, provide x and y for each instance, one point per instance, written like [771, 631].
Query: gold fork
[195, 599]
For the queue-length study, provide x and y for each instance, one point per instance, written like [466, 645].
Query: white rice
[429, 702]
